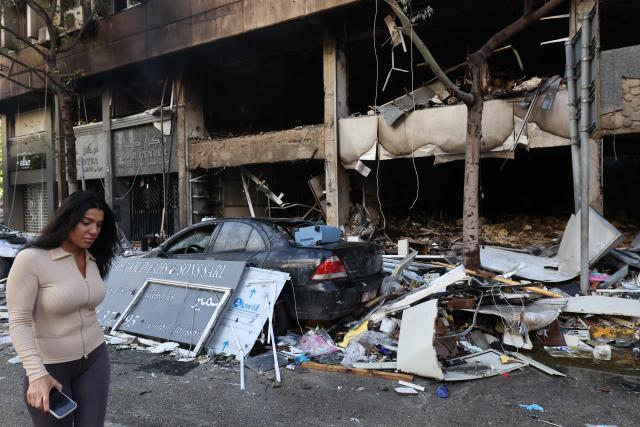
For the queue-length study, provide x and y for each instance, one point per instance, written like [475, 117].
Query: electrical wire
[375, 105]
[295, 307]
[471, 327]
[133, 181]
[413, 99]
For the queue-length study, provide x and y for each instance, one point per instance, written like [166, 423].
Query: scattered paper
[164, 347]
[405, 390]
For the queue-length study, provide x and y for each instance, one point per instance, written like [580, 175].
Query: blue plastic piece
[302, 358]
[442, 391]
[532, 407]
[317, 235]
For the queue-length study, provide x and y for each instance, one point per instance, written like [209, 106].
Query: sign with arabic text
[91, 156]
[140, 150]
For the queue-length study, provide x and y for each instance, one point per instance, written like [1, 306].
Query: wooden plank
[393, 376]
[490, 276]
[378, 366]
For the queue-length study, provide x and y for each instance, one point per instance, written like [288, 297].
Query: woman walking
[53, 288]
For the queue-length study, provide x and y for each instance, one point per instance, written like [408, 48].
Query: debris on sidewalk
[434, 319]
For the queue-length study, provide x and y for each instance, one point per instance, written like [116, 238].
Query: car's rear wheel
[281, 319]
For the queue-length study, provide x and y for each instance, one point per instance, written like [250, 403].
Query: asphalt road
[149, 390]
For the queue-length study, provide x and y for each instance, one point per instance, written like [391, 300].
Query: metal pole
[84, 185]
[573, 123]
[584, 147]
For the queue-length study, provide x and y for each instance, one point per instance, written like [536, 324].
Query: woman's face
[87, 230]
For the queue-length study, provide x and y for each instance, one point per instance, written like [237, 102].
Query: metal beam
[585, 136]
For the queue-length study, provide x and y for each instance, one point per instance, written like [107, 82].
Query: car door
[192, 244]
[239, 241]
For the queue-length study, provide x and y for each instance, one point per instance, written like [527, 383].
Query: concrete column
[106, 129]
[190, 122]
[335, 107]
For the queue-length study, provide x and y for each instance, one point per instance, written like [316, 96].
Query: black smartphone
[60, 405]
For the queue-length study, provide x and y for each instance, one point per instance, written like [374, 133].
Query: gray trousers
[86, 381]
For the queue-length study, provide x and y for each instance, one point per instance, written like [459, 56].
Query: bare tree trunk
[66, 115]
[471, 230]
[474, 101]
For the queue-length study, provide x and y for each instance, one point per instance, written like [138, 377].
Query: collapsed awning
[441, 131]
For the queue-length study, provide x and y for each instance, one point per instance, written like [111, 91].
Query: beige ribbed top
[52, 316]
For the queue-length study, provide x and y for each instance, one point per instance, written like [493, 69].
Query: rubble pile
[451, 324]
[430, 236]
[436, 320]
[524, 232]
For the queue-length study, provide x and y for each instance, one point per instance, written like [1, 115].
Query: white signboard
[247, 312]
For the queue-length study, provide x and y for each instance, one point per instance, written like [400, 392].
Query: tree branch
[407, 29]
[527, 7]
[26, 41]
[41, 11]
[79, 35]
[523, 22]
[23, 64]
[42, 74]
[12, 80]
[48, 20]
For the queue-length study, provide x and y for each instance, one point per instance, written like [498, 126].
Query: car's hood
[10, 243]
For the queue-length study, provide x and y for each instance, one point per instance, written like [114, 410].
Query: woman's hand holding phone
[38, 392]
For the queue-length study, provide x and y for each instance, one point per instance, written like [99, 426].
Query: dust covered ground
[152, 390]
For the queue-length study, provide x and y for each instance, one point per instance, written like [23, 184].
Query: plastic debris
[362, 327]
[405, 390]
[532, 407]
[300, 359]
[164, 347]
[317, 342]
[442, 391]
[602, 352]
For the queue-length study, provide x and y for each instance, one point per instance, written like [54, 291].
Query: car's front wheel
[5, 266]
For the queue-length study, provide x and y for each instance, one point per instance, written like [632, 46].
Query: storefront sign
[141, 150]
[128, 275]
[27, 161]
[91, 156]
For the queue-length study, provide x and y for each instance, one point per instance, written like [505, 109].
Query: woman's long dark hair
[67, 216]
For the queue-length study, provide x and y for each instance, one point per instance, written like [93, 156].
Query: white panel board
[603, 305]
[566, 264]
[247, 311]
[416, 350]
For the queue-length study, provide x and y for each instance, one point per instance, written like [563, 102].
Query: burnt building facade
[208, 108]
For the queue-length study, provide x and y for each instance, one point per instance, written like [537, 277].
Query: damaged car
[328, 280]
[10, 243]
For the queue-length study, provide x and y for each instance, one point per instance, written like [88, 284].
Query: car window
[255, 242]
[233, 236]
[193, 242]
